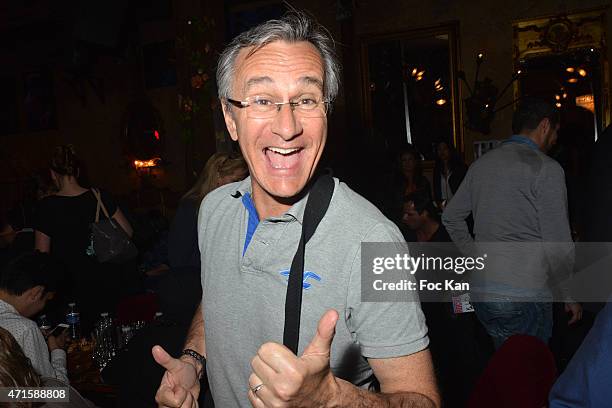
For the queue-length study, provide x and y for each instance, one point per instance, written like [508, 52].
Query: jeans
[504, 319]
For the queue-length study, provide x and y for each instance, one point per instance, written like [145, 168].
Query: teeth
[283, 151]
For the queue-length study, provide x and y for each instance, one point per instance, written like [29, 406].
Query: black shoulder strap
[318, 201]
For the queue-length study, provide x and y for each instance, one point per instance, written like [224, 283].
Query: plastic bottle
[73, 319]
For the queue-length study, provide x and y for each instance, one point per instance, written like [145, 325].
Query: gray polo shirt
[244, 296]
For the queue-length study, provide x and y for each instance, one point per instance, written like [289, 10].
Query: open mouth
[283, 159]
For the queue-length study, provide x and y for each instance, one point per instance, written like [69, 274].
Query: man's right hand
[180, 386]
[57, 342]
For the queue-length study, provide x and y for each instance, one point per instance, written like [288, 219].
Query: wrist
[196, 360]
[332, 395]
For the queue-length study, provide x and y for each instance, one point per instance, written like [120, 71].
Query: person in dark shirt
[408, 178]
[220, 169]
[421, 217]
[458, 342]
[62, 228]
[180, 290]
[448, 174]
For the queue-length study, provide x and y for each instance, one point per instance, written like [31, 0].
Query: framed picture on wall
[9, 114]
[39, 100]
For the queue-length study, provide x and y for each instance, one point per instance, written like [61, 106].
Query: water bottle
[73, 319]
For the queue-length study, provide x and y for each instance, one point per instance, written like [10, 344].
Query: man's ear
[35, 293]
[228, 115]
[544, 127]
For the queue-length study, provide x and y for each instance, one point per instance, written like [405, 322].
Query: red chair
[137, 307]
[520, 374]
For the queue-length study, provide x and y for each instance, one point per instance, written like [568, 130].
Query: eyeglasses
[261, 107]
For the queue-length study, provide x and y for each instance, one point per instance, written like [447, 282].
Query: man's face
[443, 152]
[411, 217]
[408, 163]
[282, 152]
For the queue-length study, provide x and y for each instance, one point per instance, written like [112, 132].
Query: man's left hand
[575, 309]
[292, 381]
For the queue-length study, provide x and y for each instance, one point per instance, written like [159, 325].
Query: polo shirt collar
[296, 211]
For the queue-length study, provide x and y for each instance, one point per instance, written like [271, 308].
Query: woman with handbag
[63, 229]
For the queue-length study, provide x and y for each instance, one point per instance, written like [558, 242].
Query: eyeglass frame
[279, 105]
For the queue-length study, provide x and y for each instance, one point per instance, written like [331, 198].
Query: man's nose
[286, 123]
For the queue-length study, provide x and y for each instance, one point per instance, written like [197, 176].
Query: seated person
[458, 343]
[421, 217]
[16, 371]
[26, 284]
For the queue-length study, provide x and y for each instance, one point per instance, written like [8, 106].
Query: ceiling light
[414, 72]
[558, 105]
[557, 97]
[570, 69]
[582, 72]
[564, 95]
[572, 80]
[440, 102]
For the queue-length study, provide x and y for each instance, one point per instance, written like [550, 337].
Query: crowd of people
[226, 267]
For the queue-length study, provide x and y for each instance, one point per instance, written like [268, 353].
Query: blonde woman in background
[220, 169]
[180, 291]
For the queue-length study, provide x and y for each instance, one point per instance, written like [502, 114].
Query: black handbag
[109, 242]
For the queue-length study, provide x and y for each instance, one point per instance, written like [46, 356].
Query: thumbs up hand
[282, 379]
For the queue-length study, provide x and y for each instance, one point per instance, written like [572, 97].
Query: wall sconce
[147, 164]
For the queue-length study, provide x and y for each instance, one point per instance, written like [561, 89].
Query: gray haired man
[276, 83]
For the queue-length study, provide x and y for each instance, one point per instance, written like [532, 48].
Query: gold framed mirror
[563, 59]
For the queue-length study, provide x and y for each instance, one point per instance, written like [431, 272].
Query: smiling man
[276, 83]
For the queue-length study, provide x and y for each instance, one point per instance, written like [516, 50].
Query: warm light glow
[558, 105]
[156, 134]
[480, 55]
[564, 95]
[440, 102]
[582, 72]
[557, 97]
[419, 77]
[414, 72]
[143, 164]
[487, 106]
[572, 80]
[570, 69]
[586, 101]
[519, 72]
[421, 73]
[438, 81]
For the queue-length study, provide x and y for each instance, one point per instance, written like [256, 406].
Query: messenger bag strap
[319, 197]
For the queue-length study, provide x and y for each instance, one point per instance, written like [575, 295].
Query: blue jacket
[587, 380]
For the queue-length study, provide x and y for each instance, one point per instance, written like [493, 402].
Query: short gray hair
[295, 26]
